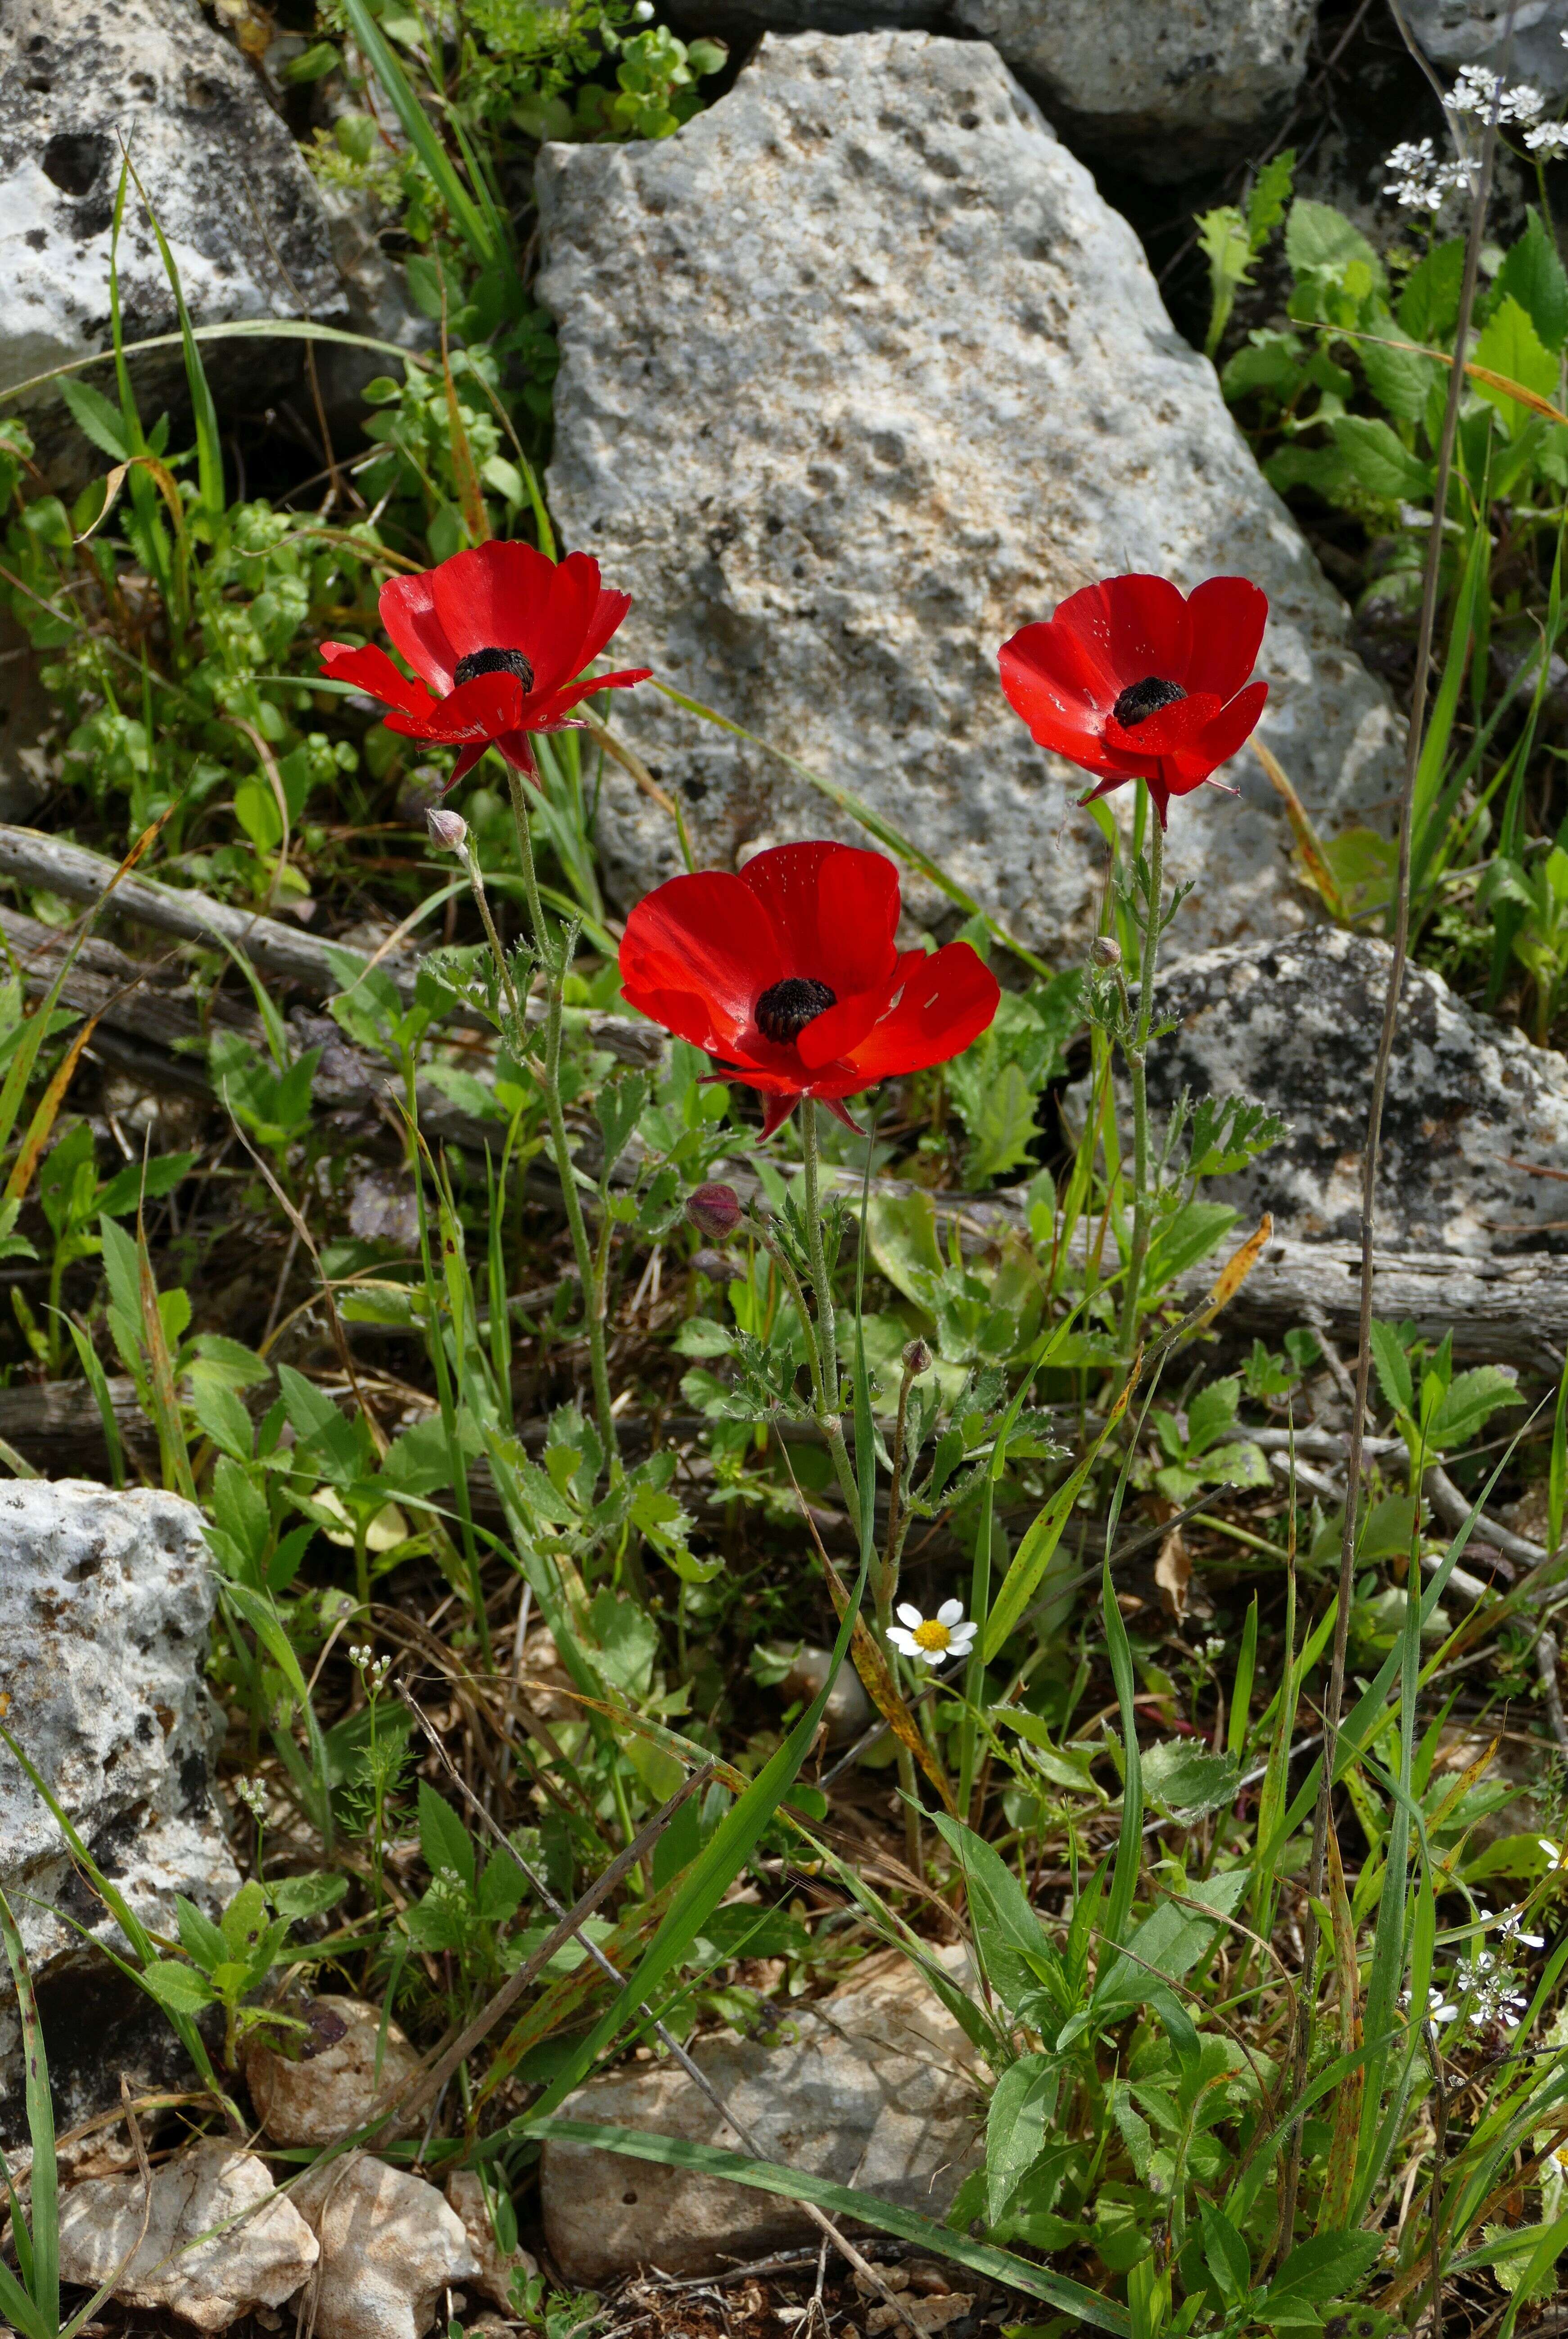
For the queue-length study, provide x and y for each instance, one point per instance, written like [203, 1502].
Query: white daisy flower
[931, 1640]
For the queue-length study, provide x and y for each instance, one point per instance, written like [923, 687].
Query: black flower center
[786, 1008]
[479, 662]
[1141, 699]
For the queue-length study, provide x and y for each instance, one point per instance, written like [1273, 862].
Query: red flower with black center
[1133, 680]
[790, 975]
[498, 637]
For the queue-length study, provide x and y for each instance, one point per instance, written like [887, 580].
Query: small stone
[925, 2314]
[875, 2089]
[329, 2085]
[255, 2264]
[390, 2248]
[466, 2197]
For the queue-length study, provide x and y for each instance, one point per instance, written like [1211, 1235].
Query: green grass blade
[97, 1380]
[477, 231]
[840, 2201]
[44, 2196]
[209, 443]
[1129, 1843]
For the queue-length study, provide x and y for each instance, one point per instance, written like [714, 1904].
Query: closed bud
[448, 830]
[714, 1211]
[916, 1359]
[1105, 951]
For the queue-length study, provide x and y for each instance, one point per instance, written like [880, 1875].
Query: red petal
[559, 654]
[481, 709]
[606, 619]
[696, 954]
[1133, 627]
[1220, 737]
[495, 597]
[544, 718]
[407, 606]
[835, 909]
[947, 1000]
[1051, 680]
[371, 670]
[1227, 616]
[840, 1029]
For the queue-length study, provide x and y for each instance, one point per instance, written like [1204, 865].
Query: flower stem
[826, 1331]
[1136, 1056]
[509, 989]
[553, 957]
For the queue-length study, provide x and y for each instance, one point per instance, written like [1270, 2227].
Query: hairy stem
[554, 956]
[1136, 1057]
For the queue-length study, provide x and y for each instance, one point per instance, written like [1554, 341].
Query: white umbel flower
[932, 1640]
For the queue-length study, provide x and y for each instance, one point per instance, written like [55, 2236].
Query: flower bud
[448, 830]
[916, 1359]
[714, 1211]
[1105, 951]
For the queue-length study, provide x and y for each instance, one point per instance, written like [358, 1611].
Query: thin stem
[826, 1330]
[1136, 1057]
[828, 1421]
[554, 958]
[476, 881]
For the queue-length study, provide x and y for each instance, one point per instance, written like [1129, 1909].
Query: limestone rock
[222, 172]
[1471, 1105]
[1162, 85]
[389, 2247]
[263, 2254]
[466, 2196]
[332, 2087]
[872, 2088]
[858, 374]
[106, 1605]
[1456, 33]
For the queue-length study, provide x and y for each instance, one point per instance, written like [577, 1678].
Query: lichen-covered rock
[106, 1606]
[1521, 37]
[389, 2247]
[225, 179]
[874, 2088]
[1165, 86]
[1475, 1114]
[338, 2079]
[260, 2251]
[858, 374]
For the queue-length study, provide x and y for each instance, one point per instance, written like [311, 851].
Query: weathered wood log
[279, 949]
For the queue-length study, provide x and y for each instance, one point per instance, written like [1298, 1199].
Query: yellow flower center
[931, 1635]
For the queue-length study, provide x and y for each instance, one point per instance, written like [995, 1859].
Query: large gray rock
[1162, 85]
[860, 374]
[874, 2088]
[105, 1607]
[80, 79]
[1475, 1123]
[1456, 33]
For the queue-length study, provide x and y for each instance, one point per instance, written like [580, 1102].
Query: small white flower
[1478, 91]
[1439, 2009]
[254, 1795]
[1556, 1853]
[1214, 1647]
[1547, 138]
[929, 1640]
[1509, 1925]
[1421, 182]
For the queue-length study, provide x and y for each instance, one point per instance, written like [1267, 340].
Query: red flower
[500, 635]
[789, 974]
[1134, 681]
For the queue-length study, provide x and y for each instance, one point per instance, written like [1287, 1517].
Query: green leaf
[1225, 2252]
[1399, 379]
[1378, 461]
[1533, 274]
[1510, 345]
[1185, 1779]
[296, 1898]
[202, 1943]
[1393, 1367]
[443, 1839]
[1318, 237]
[1008, 1935]
[95, 417]
[126, 1187]
[178, 1986]
[1328, 2266]
[222, 1417]
[1429, 304]
[1022, 2110]
[1472, 1398]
